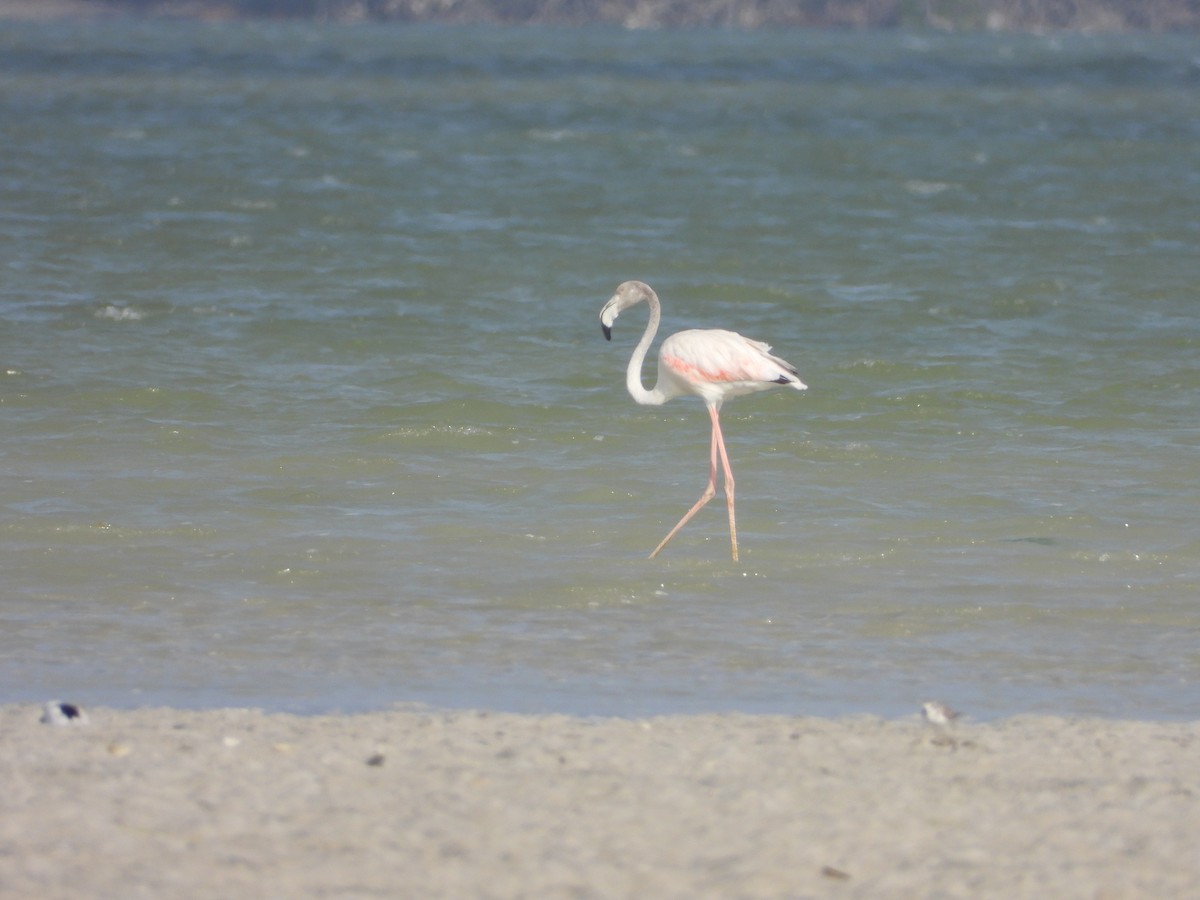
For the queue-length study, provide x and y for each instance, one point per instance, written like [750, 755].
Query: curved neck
[633, 374]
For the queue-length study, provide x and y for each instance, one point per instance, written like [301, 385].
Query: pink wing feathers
[717, 364]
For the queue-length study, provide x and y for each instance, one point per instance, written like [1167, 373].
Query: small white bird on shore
[58, 713]
[938, 713]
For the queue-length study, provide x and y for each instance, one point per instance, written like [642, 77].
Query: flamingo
[712, 364]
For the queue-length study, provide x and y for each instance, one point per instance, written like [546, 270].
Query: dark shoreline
[1095, 16]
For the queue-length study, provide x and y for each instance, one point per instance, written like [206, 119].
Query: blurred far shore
[1095, 16]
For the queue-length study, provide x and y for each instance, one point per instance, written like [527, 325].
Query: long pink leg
[720, 439]
[717, 446]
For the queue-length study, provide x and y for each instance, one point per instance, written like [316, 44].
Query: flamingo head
[628, 294]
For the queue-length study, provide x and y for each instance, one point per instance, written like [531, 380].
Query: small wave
[926, 188]
[428, 430]
[552, 135]
[120, 313]
[253, 205]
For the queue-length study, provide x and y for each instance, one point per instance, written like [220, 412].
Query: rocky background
[996, 15]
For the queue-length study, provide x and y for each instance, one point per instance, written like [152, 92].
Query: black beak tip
[607, 331]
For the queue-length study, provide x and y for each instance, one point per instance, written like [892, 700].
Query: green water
[305, 402]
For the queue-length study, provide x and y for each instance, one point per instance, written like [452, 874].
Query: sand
[420, 803]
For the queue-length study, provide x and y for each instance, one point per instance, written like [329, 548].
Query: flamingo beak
[608, 315]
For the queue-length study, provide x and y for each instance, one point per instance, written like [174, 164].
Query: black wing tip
[70, 710]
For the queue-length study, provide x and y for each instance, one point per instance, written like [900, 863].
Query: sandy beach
[423, 803]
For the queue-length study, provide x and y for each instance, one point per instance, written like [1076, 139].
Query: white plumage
[713, 364]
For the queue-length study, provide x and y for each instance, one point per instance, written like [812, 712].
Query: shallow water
[305, 402]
